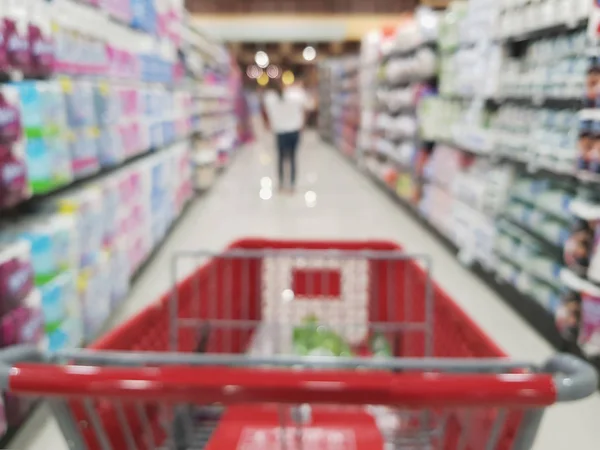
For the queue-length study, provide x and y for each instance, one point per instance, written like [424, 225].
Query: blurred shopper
[285, 113]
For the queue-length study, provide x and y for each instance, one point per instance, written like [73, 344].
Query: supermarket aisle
[334, 201]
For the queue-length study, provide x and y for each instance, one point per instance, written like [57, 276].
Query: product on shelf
[339, 116]
[104, 91]
[16, 274]
[62, 312]
[505, 161]
[518, 18]
[21, 316]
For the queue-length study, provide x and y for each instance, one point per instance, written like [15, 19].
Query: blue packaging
[157, 139]
[169, 132]
[144, 16]
[53, 246]
[106, 105]
[83, 147]
[57, 294]
[110, 147]
[31, 107]
[79, 102]
[48, 163]
[69, 335]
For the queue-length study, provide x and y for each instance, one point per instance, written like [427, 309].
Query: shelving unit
[503, 125]
[166, 96]
[339, 112]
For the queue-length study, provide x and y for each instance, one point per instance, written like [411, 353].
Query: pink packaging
[22, 326]
[11, 128]
[589, 335]
[16, 275]
[17, 46]
[4, 65]
[126, 188]
[5, 150]
[129, 100]
[42, 52]
[13, 181]
[130, 136]
[119, 9]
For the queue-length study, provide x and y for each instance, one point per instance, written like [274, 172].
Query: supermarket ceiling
[297, 20]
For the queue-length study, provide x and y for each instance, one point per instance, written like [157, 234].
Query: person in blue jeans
[285, 110]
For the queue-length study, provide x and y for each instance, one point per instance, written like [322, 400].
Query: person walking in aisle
[285, 111]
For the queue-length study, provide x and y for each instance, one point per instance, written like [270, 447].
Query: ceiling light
[309, 53]
[261, 59]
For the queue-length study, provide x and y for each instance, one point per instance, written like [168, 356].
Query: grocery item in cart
[312, 339]
[380, 347]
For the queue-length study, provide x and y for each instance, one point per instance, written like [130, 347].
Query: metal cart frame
[183, 373]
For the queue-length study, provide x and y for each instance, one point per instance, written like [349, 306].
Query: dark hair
[278, 87]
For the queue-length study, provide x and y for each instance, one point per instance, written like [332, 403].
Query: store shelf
[28, 202]
[534, 313]
[536, 102]
[11, 432]
[551, 248]
[409, 52]
[550, 31]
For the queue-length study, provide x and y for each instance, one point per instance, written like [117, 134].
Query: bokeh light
[254, 72]
[288, 77]
[309, 53]
[263, 79]
[261, 59]
[273, 71]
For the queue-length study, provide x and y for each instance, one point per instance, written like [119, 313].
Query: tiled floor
[333, 200]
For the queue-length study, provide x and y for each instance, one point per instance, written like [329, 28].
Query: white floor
[347, 206]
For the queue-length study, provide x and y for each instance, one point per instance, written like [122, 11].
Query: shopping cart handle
[10, 356]
[574, 378]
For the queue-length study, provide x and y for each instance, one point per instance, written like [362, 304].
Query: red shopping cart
[214, 364]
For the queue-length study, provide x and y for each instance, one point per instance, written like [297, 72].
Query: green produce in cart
[380, 347]
[312, 339]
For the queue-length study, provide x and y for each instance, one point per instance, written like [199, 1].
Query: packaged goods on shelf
[104, 231]
[102, 91]
[16, 274]
[500, 159]
[470, 61]
[397, 76]
[339, 116]
[543, 137]
[73, 129]
[552, 67]
[62, 311]
[462, 196]
[21, 318]
[518, 18]
[54, 243]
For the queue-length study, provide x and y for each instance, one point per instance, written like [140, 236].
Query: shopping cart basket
[214, 365]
